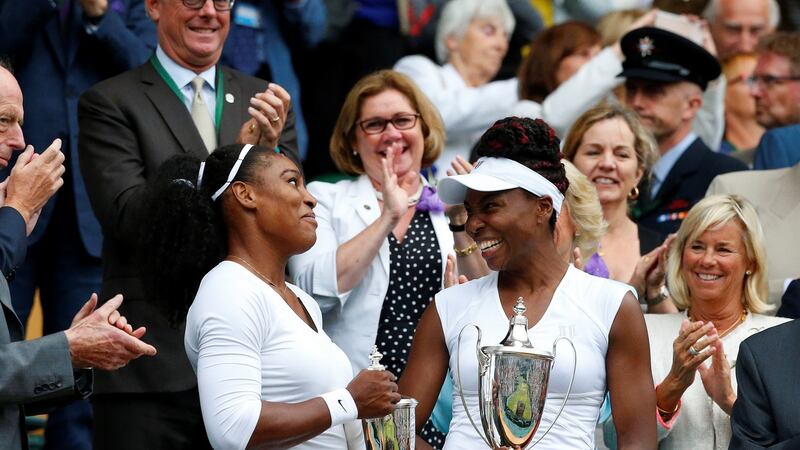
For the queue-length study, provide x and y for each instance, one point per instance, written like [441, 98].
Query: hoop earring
[634, 193]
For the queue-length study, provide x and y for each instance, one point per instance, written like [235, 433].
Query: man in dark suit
[59, 49]
[36, 373]
[666, 75]
[181, 101]
[767, 370]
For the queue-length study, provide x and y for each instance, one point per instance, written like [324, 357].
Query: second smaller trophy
[395, 431]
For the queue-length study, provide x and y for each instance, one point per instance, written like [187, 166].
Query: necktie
[201, 116]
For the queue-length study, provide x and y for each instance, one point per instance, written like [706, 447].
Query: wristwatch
[663, 294]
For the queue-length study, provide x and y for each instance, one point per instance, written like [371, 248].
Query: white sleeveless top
[583, 309]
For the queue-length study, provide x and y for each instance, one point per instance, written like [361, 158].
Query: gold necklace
[729, 329]
[260, 275]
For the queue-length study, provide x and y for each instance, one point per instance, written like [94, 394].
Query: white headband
[498, 174]
[232, 173]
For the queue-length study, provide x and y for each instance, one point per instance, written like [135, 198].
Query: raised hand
[450, 277]
[374, 392]
[685, 361]
[33, 180]
[717, 379]
[395, 198]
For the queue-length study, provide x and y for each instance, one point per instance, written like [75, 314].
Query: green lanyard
[176, 90]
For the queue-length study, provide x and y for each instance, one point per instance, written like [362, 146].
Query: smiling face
[714, 264]
[284, 210]
[409, 144]
[481, 50]
[606, 155]
[504, 225]
[193, 38]
[10, 117]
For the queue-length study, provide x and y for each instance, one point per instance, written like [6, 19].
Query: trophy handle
[569, 388]
[482, 359]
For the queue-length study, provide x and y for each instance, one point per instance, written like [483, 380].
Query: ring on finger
[693, 351]
[252, 127]
[274, 119]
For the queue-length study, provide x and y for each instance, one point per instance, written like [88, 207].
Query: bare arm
[283, 425]
[427, 365]
[630, 381]
[354, 256]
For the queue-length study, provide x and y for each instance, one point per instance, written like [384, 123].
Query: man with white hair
[737, 25]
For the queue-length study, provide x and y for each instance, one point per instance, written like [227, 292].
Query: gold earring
[634, 193]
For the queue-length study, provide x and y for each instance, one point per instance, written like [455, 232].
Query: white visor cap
[498, 174]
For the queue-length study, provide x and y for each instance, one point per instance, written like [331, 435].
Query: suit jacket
[775, 194]
[790, 302]
[130, 125]
[778, 148]
[685, 185]
[765, 412]
[53, 67]
[33, 372]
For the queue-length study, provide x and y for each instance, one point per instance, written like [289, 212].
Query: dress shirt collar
[182, 76]
[664, 165]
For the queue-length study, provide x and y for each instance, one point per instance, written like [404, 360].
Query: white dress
[247, 345]
[583, 308]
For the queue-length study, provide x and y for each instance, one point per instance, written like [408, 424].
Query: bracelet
[663, 294]
[341, 405]
[456, 228]
[465, 251]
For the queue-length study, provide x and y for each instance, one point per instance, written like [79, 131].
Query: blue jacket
[54, 67]
[778, 148]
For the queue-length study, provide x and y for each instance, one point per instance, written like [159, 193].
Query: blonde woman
[716, 273]
[612, 148]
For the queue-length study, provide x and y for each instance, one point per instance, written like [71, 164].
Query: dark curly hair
[184, 234]
[530, 142]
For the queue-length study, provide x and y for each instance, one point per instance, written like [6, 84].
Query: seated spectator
[765, 412]
[778, 148]
[775, 195]
[742, 131]
[716, 274]
[612, 148]
[218, 243]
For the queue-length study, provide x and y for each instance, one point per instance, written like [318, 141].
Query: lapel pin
[229, 98]
[367, 207]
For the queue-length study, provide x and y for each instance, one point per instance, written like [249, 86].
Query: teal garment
[443, 410]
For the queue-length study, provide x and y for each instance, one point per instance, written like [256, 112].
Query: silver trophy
[512, 384]
[395, 431]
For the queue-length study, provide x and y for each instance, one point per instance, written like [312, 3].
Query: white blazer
[350, 318]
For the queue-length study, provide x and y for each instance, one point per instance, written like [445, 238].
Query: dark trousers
[149, 421]
[66, 276]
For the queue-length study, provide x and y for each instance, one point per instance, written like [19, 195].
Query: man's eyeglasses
[404, 121]
[767, 81]
[219, 5]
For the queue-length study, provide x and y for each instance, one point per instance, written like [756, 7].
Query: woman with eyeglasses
[383, 240]
[217, 242]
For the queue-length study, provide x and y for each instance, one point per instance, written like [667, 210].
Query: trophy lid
[375, 358]
[518, 328]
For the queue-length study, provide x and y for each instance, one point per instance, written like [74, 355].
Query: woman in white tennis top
[267, 373]
[512, 199]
